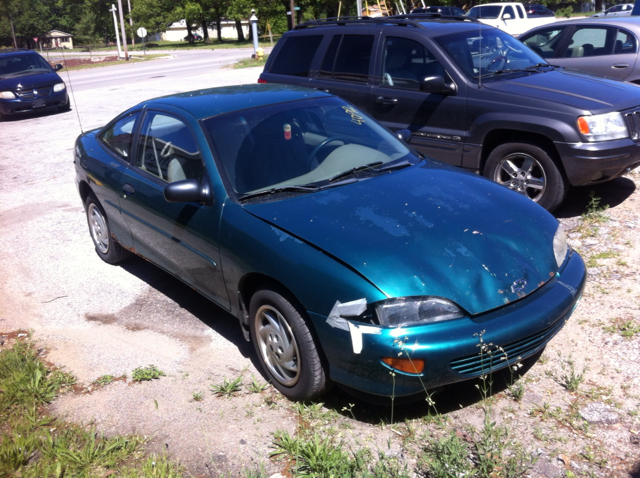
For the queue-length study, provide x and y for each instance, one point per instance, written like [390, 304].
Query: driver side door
[182, 238]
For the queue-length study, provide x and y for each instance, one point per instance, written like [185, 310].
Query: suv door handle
[386, 101]
[128, 188]
[620, 65]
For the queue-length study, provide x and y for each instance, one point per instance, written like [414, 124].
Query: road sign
[142, 32]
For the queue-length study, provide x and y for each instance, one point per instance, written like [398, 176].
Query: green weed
[626, 328]
[146, 373]
[104, 380]
[198, 396]
[228, 387]
[571, 378]
[255, 386]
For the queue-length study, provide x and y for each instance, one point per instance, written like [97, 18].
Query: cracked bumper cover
[450, 349]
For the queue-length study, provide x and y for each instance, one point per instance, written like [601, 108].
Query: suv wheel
[528, 170]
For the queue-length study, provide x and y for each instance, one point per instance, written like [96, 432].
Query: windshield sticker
[355, 117]
[287, 131]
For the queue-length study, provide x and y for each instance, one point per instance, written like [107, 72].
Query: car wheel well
[85, 191]
[502, 136]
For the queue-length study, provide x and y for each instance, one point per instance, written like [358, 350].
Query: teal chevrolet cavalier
[346, 256]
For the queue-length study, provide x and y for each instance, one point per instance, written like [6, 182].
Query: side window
[296, 55]
[588, 41]
[167, 149]
[406, 62]
[348, 58]
[508, 10]
[520, 10]
[625, 42]
[119, 136]
[545, 42]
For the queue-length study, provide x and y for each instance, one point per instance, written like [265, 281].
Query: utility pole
[293, 13]
[124, 37]
[115, 24]
[133, 35]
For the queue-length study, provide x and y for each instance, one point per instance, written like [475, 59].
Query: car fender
[252, 246]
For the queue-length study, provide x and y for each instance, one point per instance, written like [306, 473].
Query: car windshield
[488, 53]
[18, 65]
[482, 11]
[311, 143]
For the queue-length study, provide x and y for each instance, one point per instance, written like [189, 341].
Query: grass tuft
[146, 373]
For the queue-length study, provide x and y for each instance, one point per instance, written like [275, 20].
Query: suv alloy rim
[522, 173]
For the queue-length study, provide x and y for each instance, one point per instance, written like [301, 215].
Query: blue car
[28, 83]
[346, 256]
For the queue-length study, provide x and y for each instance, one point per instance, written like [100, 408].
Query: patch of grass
[104, 380]
[116, 62]
[250, 62]
[198, 396]
[34, 445]
[626, 328]
[142, 374]
[571, 378]
[228, 387]
[592, 261]
[255, 386]
[594, 217]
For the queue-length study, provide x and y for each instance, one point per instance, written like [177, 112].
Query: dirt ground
[94, 319]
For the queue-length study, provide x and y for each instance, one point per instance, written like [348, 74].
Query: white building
[178, 31]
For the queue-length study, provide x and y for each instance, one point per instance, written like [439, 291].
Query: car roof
[15, 51]
[627, 22]
[215, 101]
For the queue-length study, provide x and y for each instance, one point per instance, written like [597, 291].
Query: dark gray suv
[472, 96]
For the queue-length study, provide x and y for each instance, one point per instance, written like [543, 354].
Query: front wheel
[107, 248]
[285, 346]
[527, 170]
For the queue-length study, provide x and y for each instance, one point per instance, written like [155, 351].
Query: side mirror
[58, 67]
[404, 135]
[436, 84]
[189, 190]
[506, 16]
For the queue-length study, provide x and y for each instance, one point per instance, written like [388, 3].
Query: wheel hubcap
[522, 173]
[277, 345]
[99, 229]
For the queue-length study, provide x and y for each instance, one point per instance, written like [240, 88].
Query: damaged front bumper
[451, 350]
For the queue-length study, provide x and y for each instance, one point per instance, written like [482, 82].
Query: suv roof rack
[406, 20]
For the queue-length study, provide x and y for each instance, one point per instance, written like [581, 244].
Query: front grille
[633, 123]
[34, 93]
[475, 365]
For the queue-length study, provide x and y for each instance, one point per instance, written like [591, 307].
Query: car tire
[285, 345]
[65, 108]
[107, 248]
[528, 170]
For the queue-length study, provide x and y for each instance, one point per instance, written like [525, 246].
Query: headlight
[416, 310]
[7, 95]
[560, 245]
[59, 87]
[603, 127]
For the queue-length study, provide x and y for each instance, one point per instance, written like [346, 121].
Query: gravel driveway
[95, 319]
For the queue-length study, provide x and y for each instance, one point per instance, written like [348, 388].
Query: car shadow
[580, 199]
[14, 118]
[206, 311]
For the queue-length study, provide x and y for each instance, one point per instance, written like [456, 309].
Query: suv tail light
[260, 80]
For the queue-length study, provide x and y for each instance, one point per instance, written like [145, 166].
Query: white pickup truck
[509, 17]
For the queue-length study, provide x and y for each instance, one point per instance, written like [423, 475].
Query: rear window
[295, 56]
[348, 58]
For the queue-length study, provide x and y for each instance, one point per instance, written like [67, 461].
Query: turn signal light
[583, 126]
[405, 364]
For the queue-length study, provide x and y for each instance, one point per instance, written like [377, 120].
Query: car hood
[587, 92]
[427, 230]
[29, 81]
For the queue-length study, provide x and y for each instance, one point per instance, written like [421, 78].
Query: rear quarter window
[295, 56]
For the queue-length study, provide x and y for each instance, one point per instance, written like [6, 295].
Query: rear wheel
[528, 170]
[285, 345]
[107, 248]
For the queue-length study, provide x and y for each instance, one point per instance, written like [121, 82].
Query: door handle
[620, 65]
[128, 188]
[386, 101]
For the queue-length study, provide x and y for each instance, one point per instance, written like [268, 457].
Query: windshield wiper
[517, 70]
[392, 166]
[351, 171]
[282, 189]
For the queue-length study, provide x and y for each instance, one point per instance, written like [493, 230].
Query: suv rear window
[348, 58]
[295, 56]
